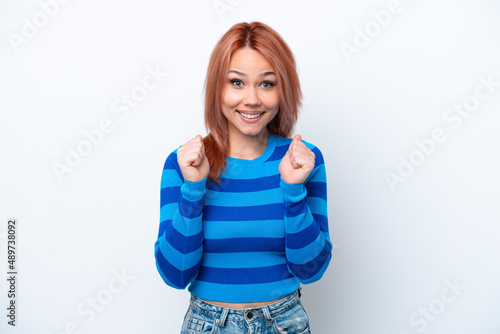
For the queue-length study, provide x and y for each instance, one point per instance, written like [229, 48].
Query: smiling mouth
[250, 116]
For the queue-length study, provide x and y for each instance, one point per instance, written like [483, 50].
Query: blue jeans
[286, 316]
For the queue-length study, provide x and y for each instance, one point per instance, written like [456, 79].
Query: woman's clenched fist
[192, 160]
[297, 163]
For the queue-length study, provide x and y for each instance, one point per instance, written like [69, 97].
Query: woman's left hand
[297, 163]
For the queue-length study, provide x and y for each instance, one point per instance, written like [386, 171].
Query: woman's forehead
[247, 61]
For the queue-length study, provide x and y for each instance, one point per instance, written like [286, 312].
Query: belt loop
[222, 320]
[267, 316]
[300, 292]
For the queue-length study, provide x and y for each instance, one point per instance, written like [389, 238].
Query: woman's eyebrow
[263, 74]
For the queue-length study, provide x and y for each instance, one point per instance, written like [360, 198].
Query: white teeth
[249, 116]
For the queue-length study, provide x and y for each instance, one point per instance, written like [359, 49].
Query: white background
[395, 248]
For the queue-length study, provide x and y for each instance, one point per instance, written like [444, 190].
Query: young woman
[243, 218]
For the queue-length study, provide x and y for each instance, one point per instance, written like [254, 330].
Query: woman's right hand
[192, 160]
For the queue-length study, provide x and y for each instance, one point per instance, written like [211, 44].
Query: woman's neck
[247, 147]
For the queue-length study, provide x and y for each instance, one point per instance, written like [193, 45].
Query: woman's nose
[252, 97]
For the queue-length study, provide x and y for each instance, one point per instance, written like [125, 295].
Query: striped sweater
[251, 238]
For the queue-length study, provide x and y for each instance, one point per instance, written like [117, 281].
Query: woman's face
[250, 97]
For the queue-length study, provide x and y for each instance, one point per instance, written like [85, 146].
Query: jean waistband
[252, 313]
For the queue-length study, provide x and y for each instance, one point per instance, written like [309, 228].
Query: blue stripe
[243, 259]
[169, 195]
[305, 254]
[236, 172]
[177, 259]
[241, 213]
[303, 238]
[246, 185]
[322, 221]
[190, 209]
[236, 245]
[298, 223]
[187, 228]
[165, 279]
[247, 229]
[171, 163]
[280, 141]
[313, 267]
[163, 227]
[184, 244]
[244, 198]
[318, 174]
[318, 205]
[245, 293]
[279, 153]
[319, 157]
[167, 211]
[295, 209]
[316, 189]
[243, 275]
[179, 279]
[170, 177]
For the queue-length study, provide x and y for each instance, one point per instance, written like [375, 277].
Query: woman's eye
[236, 82]
[267, 84]
[239, 83]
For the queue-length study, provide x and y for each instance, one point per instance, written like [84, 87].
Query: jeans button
[249, 315]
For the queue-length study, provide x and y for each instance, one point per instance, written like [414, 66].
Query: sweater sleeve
[307, 241]
[179, 246]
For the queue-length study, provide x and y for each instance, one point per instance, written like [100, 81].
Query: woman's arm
[307, 239]
[178, 249]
